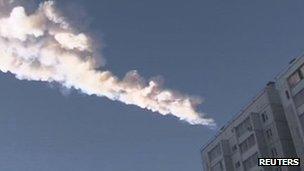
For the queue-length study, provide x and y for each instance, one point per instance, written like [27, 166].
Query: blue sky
[222, 51]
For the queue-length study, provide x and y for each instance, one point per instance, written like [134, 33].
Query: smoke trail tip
[43, 46]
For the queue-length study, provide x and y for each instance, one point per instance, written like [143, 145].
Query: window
[234, 148]
[269, 133]
[274, 152]
[251, 161]
[294, 79]
[215, 152]
[302, 70]
[217, 167]
[302, 119]
[247, 144]
[264, 117]
[244, 127]
[299, 98]
[287, 94]
[237, 164]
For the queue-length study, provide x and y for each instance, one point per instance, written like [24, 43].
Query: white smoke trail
[42, 46]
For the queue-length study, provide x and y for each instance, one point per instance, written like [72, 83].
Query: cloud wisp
[43, 46]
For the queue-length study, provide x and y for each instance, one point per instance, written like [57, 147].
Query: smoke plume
[43, 46]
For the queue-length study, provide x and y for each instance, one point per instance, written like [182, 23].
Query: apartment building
[290, 83]
[259, 130]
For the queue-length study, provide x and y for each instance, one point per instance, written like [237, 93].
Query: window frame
[251, 161]
[215, 152]
[300, 72]
[237, 164]
[243, 127]
[274, 152]
[300, 75]
[247, 144]
[264, 117]
[269, 133]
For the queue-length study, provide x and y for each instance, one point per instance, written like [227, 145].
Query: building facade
[291, 86]
[260, 130]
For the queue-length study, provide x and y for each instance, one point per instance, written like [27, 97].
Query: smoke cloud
[42, 46]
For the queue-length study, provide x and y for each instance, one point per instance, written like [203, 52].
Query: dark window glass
[264, 117]
[237, 164]
[302, 120]
[234, 148]
[287, 94]
[269, 133]
[302, 70]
